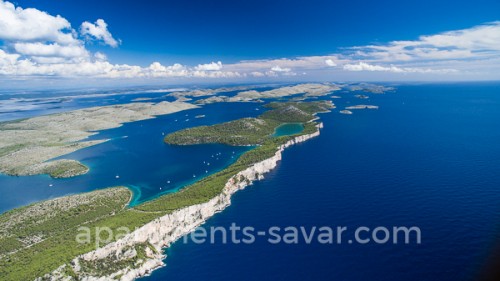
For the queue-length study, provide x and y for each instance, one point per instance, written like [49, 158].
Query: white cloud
[38, 44]
[18, 24]
[257, 74]
[476, 42]
[8, 59]
[98, 31]
[209, 66]
[330, 62]
[100, 56]
[48, 60]
[37, 38]
[307, 63]
[50, 50]
[362, 66]
[278, 68]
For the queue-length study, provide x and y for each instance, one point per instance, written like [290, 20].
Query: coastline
[163, 231]
[28, 146]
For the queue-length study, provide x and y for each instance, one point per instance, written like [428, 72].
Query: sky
[64, 41]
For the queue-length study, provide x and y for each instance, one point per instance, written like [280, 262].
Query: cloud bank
[36, 43]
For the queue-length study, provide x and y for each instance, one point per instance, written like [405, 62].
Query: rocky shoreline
[162, 232]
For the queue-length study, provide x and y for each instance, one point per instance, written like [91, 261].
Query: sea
[429, 157]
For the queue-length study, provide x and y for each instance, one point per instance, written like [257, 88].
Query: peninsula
[35, 245]
[250, 131]
[28, 145]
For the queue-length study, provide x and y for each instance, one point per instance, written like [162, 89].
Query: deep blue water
[429, 157]
[138, 158]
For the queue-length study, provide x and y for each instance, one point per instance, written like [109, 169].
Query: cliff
[144, 247]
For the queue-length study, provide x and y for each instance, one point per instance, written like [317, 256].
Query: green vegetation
[65, 168]
[295, 112]
[250, 131]
[211, 186]
[6, 150]
[37, 239]
[246, 131]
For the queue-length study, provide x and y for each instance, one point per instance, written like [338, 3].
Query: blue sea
[428, 157]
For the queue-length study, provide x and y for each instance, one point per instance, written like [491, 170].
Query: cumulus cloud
[36, 37]
[100, 56]
[50, 50]
[98, 31]
[330, 62]
[36, 43]
[278, 68]
[209, 66]
[6, 58]
[27, 25]
[257, 74]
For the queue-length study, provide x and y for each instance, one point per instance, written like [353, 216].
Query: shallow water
[288, 129]
[138, 158]
[429, 157]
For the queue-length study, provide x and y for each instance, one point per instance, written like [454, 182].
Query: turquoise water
[138, 158]
[429, 157]
[288, 129]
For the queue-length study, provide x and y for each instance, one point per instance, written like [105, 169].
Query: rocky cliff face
[162, 232]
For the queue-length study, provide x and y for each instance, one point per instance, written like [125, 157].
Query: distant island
[29, 146]
[362, 106]
[348, 112]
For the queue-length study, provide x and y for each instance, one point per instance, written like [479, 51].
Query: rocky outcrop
[162, 232]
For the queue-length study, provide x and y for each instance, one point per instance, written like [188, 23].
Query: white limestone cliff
[163, 231]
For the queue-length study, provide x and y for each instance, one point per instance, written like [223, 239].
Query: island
[213, 99]
[362, 106]
[207, 92]
[370, 88]
[250, 131]
[38, 242]
[297, 92]
[363, 97]
[27, 146]
[307, 90]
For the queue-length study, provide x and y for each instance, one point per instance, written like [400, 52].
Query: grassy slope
[59, 231]
[249, 131]
[39, 238]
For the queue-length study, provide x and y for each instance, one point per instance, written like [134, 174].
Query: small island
[362, 106]
[363, 97]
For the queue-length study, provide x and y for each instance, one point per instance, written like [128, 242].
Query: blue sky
[248, 40]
